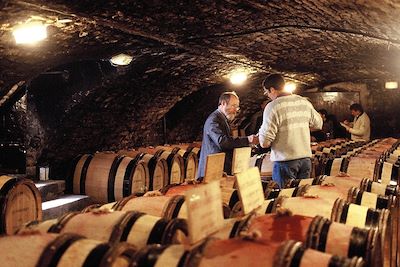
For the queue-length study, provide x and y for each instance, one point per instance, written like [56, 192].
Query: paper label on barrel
[287, 192]
[263, 208]
[241, 157]
[307, 181]
[170, 256]
[394, 156]
[356, 215]
[204, 209]
[386, 175]
[214, 167]
[250, 189]
[378, 188]
[369, 200]
[396, 152]
[326, 150]
[335, 169]
[141, 229]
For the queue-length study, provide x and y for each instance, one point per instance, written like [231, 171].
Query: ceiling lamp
[289, 87]
[30, 32]
[238, 77]
[391, 85]
[121, 60]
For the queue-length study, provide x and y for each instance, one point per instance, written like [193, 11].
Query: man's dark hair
[274, 80]
[323, 111]
[226, 97]
[356, 107]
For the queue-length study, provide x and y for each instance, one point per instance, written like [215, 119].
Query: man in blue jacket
[217, 133]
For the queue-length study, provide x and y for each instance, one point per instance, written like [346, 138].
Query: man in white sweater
[286, 128]
[360, 128]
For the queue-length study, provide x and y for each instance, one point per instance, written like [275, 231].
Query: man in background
[360, 128]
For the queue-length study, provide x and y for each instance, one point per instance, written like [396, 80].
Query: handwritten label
[287, 192]
[378, 188]
[369, 200]
[386, 175]
[326, 150]
[394, 157]
[204, 209]
[356, 215]
[241, 157]
[307, 181]
[214, 167]
[250, 189]
[335, 169]
[262, 210]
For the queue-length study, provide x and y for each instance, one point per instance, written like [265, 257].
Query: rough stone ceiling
[313, 42]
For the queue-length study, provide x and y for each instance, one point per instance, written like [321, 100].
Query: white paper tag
[356, 215]
[287, 192]
[241, 157]
[307, 181]
[336, 164]
[214, 167]
[250, 189]
[369, 200]
[386, 175]
[204, 209]
[378, 188]
[326, 150]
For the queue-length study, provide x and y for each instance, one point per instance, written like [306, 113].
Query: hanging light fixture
[289, 87]
[30, 32]
[391, 85]
[238, 77]
[121, 60]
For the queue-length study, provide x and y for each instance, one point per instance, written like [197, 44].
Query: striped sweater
[286, 125]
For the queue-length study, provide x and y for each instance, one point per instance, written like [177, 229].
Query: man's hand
[253, 139]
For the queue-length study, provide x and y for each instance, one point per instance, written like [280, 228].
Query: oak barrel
[48, 250]
[162, 206]
[190, 160]
[107, 177]
[135, 228]
[20, 202]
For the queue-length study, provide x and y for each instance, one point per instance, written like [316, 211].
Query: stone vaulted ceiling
[313, 42]
[182, 53]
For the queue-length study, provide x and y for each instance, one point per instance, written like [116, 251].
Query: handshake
[253, 139]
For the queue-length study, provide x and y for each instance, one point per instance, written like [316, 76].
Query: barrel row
[343, 212]
[47, 250]
[373, 160]
[141, 230]
[109, 176]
